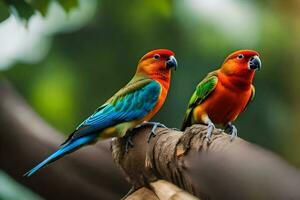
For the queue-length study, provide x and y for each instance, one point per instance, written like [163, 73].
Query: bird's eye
[240, 57]
[156, 56]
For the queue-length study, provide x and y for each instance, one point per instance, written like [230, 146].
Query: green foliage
[68, 4]
[53, 92]
[4, 14]
[41, 5]
[25, 9]
[22, 8]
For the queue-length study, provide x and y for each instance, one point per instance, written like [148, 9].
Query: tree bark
[161, 190]
[217, 170]
[25, 140]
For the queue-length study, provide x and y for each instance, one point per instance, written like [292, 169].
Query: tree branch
[25, 140]
[219, 170]
[161, 190]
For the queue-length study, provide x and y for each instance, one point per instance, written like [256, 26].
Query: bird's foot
[154, 125]
[175, 129]
[231, 129]
[210, 128]
[128, 141]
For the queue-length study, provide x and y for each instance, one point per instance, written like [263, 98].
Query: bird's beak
[254, 63]
[171, 63]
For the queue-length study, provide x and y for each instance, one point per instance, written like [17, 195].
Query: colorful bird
[223, 94]
[134, 104]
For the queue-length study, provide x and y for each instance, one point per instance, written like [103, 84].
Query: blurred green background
[66, 64]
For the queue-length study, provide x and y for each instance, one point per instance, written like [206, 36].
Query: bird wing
[203, 89]
[132, 102]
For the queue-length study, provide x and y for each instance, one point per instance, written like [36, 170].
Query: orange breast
[162, 97]
[223, 105]
[157, 106]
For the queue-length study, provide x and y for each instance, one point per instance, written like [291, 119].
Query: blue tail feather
[67, 148]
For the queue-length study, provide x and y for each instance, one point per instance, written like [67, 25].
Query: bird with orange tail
[134, 104]
[224, 93]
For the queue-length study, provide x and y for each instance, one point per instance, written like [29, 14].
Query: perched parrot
[134, 104]
[224, 93]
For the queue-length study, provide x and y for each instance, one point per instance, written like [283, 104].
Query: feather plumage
[139, 100]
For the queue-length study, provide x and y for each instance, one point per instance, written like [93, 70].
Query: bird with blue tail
[132, 106]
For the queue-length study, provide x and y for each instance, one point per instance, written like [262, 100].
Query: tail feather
[67, 148]
[187, 119]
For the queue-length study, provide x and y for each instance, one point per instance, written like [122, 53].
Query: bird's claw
[128, 142]
[155, 125]
[232, 130]
[152, 134]
[210, 129]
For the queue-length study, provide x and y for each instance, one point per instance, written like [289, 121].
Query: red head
[241, 63]
[157, 64]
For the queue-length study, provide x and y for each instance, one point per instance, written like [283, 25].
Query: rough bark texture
[217, 170]
[142, 194]
[25, 140]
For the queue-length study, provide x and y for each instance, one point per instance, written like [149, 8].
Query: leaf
[23, 9]
[4, 13]
[41, 6]
[68, 4]
[26, 8]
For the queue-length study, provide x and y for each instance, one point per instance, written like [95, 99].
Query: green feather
[132, 86]
[203, 89]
